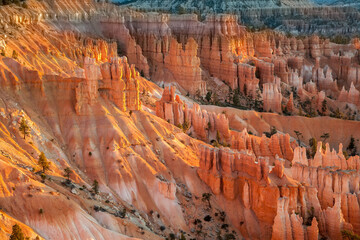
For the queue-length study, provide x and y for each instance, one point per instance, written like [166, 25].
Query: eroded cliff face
[82, 104]
[304, 17]
[218, 55]
[74, 71]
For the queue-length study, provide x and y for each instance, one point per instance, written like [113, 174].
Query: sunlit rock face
[81, 76]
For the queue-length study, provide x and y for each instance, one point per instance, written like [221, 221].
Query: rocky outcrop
[184, 66]
[218, 168]
[282, 224]
[145, 165]
[218, 48]
[272, 97]
[211, 127]
[290, 104]
[149, 36]
[352, 96]
[115, 28]
[116, 81]
[292, 14]
[248, 83]
[87, 91]
[324, 79]
[171, 109]
[204, 125]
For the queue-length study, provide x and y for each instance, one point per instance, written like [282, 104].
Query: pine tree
[324, 107]
[43, 162]
[208, 96]
[352, 147]
[298, 135]
[67, 173]
[313, 145]
[95, 187]
[15, 55]
[236, 98]
[325, 136]
[206, 198]
[17, 233]
[24, 128]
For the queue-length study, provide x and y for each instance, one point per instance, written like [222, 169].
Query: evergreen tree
[67, 173]
[352, 147]
[298, 135]
[313, 145]
[324, 107]
[17, 233]
[95, 187]
[208, 96]
[43, 162]
[15, 55]
[24, 128]
[236, 97]
[206, 198]
[325, 136]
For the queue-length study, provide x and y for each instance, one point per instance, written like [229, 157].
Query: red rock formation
[295, 80]
[266, 71]
[217, 165]
[247, 79]
[279, 168]
[119, 83]
[272, 97]
[115, 28]
[300, 156]
[290, 104]
[204, 125]
[135, 158]
[282, 223]
[184, 66]
[87, 91]
[169, 108]
[351, 96]
[324, 79]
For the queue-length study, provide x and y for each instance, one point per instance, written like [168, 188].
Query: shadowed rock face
[338, 2]
[222, 5]
[298, 17]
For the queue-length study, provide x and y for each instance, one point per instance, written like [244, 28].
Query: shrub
[172, 236]
[15, 55]
[43, 177]
[229, 236]
[311, 214]
[17, 233]
[67, 173]
[347, 234]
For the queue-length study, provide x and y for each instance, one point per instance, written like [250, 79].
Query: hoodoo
[179, 119]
